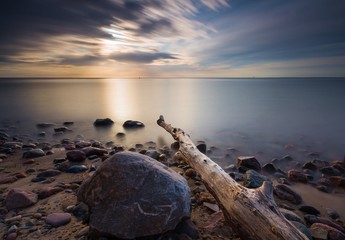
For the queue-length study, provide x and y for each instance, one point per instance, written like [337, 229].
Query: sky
[172, 38]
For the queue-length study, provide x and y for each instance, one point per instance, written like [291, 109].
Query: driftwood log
[252, 213]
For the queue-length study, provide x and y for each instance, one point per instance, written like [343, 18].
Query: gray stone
[202, 147]
[332, 213]
[33, 153]
[77, 169]
[303, 229]
[132, 195]
[253, 179]
[291, 216]
[49, 173]
[309, 210]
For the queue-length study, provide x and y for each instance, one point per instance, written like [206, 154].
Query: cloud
[215, 4]
[267, 32]
[142, 57]
[77, 30]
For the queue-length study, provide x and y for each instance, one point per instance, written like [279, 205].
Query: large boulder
[132, 195]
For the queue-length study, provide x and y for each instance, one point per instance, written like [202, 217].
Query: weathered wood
[252, 213]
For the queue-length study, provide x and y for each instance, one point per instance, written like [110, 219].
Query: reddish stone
[76, 156]
[297, 176]
[339, 181]
[58, 219]
[11, 236]
[18, 198]
[10, 179]
[48, 191]
[89, 151]
[30, 161]
[332, 233]
[190, 173]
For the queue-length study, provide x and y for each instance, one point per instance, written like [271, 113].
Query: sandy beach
[318, 185]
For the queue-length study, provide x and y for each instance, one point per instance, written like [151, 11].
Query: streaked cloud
[174, 38]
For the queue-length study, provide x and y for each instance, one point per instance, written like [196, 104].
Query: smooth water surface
[252, 115]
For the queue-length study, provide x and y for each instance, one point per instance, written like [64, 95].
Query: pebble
[303, 229]
[322, 231]
[33, 153]
[48, 173]
[269, 168]
[253, 179]
[202, 148]
[13, 219]
[76, 156]
[190, 173]
[309, 210]
[48, 191]
[38, 179]
[285, 193]
[77, 169]
[11, 236]
[310, 219]
[12, 229]
[330, 171]
[83, 232]
[291, 216]
[212, 206]
[297, 176]
[58, 219]
[248, 162]
[332, 213]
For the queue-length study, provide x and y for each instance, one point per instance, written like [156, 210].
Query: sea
[265, 117]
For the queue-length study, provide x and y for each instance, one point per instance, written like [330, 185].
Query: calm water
[255, 116]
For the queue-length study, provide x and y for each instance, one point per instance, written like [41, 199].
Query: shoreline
[207, 221]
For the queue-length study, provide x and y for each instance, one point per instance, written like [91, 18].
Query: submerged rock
[253, 179]
[133, 124]
[249, 163]
[297, 176]
[103, 122]
[156, 197]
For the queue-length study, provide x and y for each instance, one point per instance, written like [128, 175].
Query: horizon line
[163, 77]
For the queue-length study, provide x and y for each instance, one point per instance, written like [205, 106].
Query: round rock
[58, 219]
[33, 153]
[132, 195]
[76, 156]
